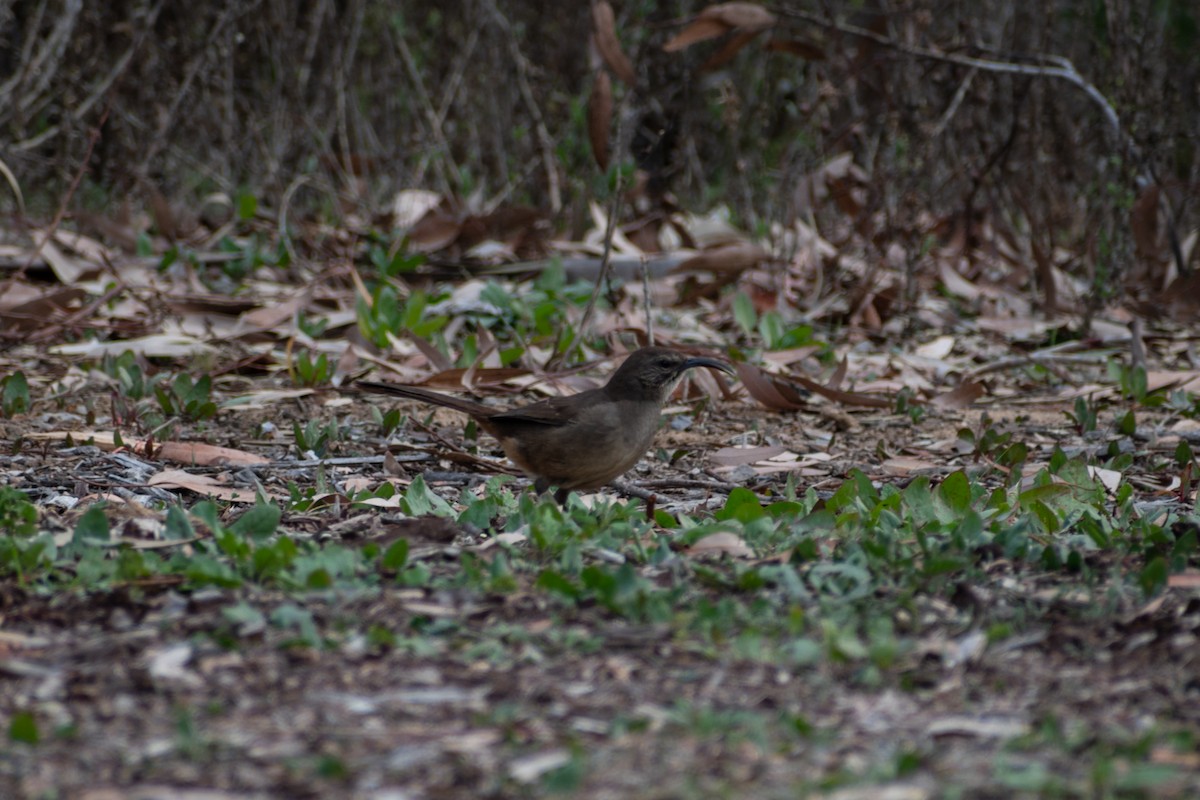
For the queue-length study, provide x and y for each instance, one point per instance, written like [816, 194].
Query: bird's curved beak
[704, 361]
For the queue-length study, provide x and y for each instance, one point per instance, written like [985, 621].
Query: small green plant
[387, 316]
[315, 437]
[391, 262]
[770, 326]
[906, 403]
[18, 516]
[126, 371]
[1084, 416]
[1186, 404]
[187, 399]
[14, 394]
[304, 370]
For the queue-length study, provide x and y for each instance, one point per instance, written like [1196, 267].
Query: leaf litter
[267, 688]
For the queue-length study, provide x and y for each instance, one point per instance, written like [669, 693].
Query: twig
[545, 143]
[689, 483]
[51, 330]
[93, 137]
[646, 302]
[610, 229]
[83, 108]
[952, 109]
[431, 115]
[1059, 67]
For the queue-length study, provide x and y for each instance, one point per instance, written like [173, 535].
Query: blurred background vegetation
[486, 100]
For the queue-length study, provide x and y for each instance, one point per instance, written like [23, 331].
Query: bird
[583, 441]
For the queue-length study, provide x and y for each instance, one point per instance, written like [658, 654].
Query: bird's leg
[542, 485]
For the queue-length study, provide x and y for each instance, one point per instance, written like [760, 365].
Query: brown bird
[585, 440]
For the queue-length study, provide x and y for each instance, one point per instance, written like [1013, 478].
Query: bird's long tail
[470, 407]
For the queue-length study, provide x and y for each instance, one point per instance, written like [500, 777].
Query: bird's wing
[554, 412]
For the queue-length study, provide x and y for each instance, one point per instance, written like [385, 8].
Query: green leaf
[955, 492]
[177, 525]
[555, 582]
[15, 399]
[1153, 577]
[23, 728]
[396, 556]
[247, 206]
[744, 313]
[259, 522]
[742, 505]
[419, 501]
[92, 527]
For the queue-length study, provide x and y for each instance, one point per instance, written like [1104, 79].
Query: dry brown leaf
[200, 454]
[436, 230]
[729, 258]
[201, 484]
[1187, 380]
[748, 16]
[67, 269]
[728, 51]
[721, 543]
[269, 317]
[1143, 220]
[960, 396]
[23, 307]
[1189, 579]
[698, 31]
[767, 391]
[599, 115]
[845, 398]
[604, 26]
[85, 247]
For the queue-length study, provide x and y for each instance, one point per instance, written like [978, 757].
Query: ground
[1013, 681]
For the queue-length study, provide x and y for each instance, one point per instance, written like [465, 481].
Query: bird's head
[652, 373]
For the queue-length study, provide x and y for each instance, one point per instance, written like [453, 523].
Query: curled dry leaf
[434, 231]
[748, 16]
[716, 20]
[604, 25]
[599, 113]
[762, 387]
[698, 31]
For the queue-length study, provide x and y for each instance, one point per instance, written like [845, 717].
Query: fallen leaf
[733, 456]
[721, 543]
[599, 117]
[960, 396]
[736, 257]
[609, 47]
[205, 485]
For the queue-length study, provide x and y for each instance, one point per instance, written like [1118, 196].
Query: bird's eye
[665, 363]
